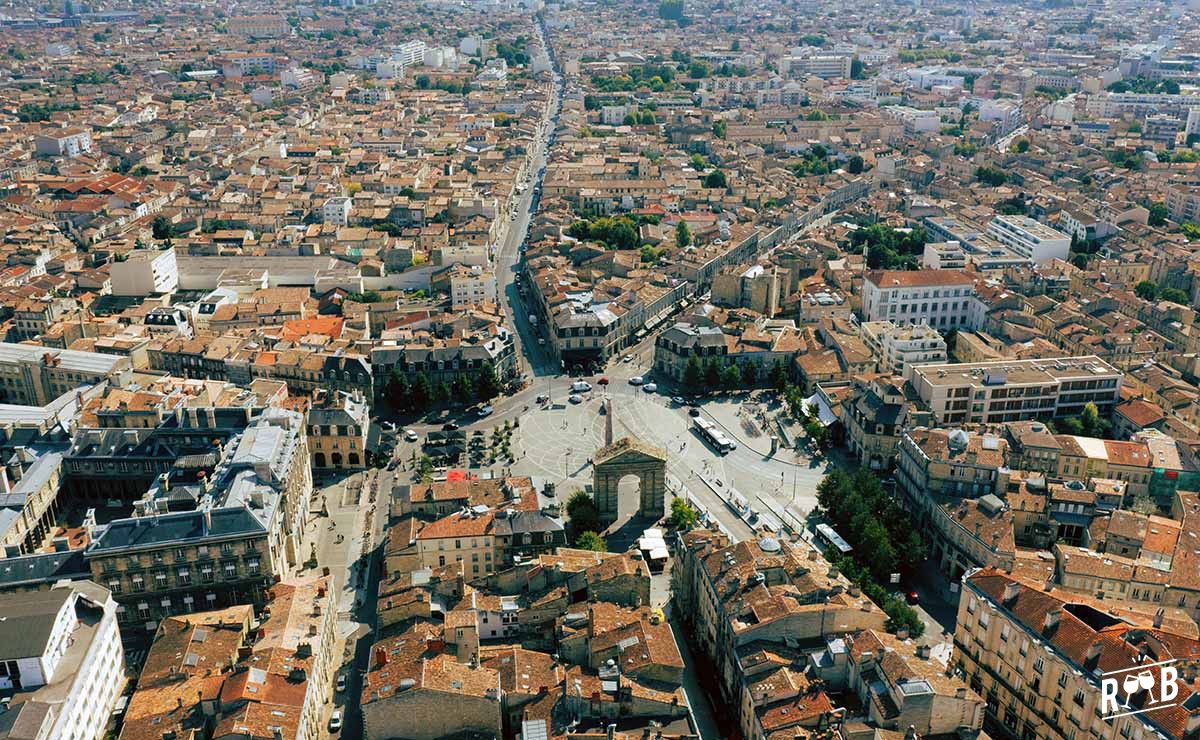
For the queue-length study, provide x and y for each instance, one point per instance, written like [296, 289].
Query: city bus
[712, 435]
[829, 537]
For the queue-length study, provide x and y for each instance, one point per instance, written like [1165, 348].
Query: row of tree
[710, 375]
[420, 393]
[882, 535]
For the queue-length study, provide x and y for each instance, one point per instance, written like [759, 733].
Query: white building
[65, 143]
[915, 120]
[900, 348]
[145, 272]
[1030, 238]
[410, 53]
[60, 651]
[298, 78]
[825, 66]
[1007, 112]
[1016, 390]
[944, 256]
[472, 285]
[942, 299]
[336, 211]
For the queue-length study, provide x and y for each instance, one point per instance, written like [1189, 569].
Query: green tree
[715, 179]
[425, 469]
[646, 118]
[488, 386]
[1090, 418]
[421, 394]
[683, 516]
[991, 176]
[591, 541]
[778, 376]
[719, 129]
[1175, 295]
[1080, 261]
[462, 388]
[698, 162]
[1158, 214]
[712, 374]
[817, 115]
[442, 392]
[1146, 290]
[399, 390]
[731, 377]
[582, 514]
[749, 374]
[693, 374]
[854, 165]
[162, 228]
[630, 119]
[683, 235]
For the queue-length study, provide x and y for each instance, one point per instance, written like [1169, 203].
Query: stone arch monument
[630, 456]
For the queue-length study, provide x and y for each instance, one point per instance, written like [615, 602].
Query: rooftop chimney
[1050, 621]
[1158, 617]
[1011, 589]
[381, 657]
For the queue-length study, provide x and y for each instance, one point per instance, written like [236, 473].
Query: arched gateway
[629, 456]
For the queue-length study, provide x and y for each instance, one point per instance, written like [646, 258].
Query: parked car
[387, 426]
[649, 387]
[485, 410]
[575, 398]
[335, 721]
[450, 426]
[410, 435]
[542, 398]
[693, 411]
[636, 380]
[677, 400]
[627, 358]
[581, 386]
[341, 683]
[912, 597]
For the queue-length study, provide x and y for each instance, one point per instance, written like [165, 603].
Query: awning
[824, 413]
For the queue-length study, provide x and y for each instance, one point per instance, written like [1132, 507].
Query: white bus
[712, 435]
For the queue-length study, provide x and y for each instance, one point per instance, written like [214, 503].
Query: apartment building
[952, 482]
[337, 431]
[62, 665]
[209, 676]
[754, 348]
[64, 143]
[1031, 239]
[900, 348]
[940, 299]
[873, 417]
[759, 592]
[336, 211]
[260, 26]
[35, 376]
[485, 539]
[145, 272]
[1016, 390]
[244, 533]
[1183, 202]
[470, 286]
[1038, 655]
[947, 255]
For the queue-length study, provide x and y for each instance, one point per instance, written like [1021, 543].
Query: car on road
[649, 388]
[387, 426]
[677, 400]
[450, 426]
[693, 411]
[627, 358]
[912, 597]
[484, 410]
[575, 398]
[581, 386]
[542, 398]
[335, 721]
[636, 380]
[410, 435]
[341, 683]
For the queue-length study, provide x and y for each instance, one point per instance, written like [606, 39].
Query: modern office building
[1030, 238]
[1016, 390]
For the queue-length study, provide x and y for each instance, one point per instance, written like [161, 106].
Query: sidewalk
[748, 430]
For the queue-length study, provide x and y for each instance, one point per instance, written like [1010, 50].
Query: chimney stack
[1050, 621]
[1158, 617]
[1011, 589]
